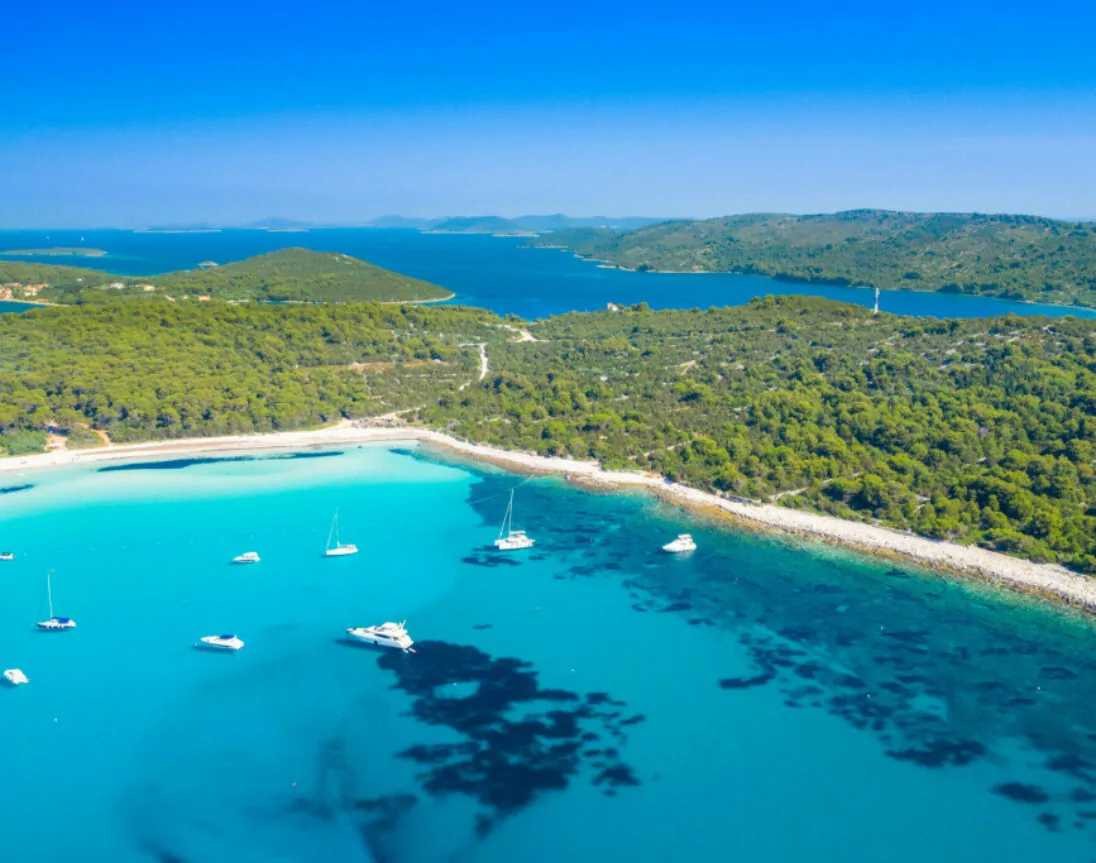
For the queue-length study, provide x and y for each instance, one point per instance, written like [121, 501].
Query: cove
[762, 698]
[496, 273]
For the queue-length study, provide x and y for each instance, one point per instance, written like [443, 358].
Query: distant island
[517, 226]
[58, 251]
[1026, 258]
[288, 275]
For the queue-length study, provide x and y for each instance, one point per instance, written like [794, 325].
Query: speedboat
[7, 555]
[15, 677]
[55, 623]
[510, 539]
[247, 557]
[385, 635]
[684, 542]
[222, 642]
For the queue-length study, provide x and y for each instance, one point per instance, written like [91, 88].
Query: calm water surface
[759, 700]
[492, 272]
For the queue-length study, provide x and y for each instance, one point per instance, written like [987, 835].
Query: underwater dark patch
[520, 740]
[175, 464]
[12, 489]
[1021, 792]
[941, 753]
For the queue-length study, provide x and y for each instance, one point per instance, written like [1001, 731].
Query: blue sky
[123, 113]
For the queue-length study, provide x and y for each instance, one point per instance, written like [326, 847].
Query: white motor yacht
[6, 555]
[55, 623]
[510, 539]
[247, 557]
[684, 542]
[334, 547]
[15, 677]
[385, 635]
[222, 642]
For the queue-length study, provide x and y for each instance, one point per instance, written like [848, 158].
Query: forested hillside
[288, 275]
[982, 431]
[140, 370]
[1015, 257]
[979, 430]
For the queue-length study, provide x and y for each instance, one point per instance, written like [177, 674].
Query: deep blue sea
[762, 699]
[493, 272]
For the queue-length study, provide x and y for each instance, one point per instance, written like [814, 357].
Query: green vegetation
[1014, 257]
[979, 431]
[140, 370]
[289, 275]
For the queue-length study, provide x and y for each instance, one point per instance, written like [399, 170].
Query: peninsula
[977, 433]
[1012, 257]
[288, 275]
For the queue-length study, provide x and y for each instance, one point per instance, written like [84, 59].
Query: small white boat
[385, 635]
[510, 539]
[55, 623]
[247, 557]
[222, 642]
[15, 677]
[334, 547]
[7, 555]
[684, 542]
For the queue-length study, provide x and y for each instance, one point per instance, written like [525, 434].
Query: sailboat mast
[507, 520]
[49, 594]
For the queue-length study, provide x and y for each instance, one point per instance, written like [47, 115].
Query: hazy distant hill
[278, 224]
[286, 275]
[402, 222]
[535, 224]
[1016, 257]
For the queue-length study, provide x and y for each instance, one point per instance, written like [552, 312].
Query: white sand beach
[1044, 579]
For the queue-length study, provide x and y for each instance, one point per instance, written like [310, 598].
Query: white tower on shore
[875, 311]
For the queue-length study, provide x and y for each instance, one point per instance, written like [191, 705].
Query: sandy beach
[1043, 579]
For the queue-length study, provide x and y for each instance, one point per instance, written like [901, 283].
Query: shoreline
[1047, 580]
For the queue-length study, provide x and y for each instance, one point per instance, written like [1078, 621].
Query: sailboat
[55, 623]
[510, 539]
[337, 549]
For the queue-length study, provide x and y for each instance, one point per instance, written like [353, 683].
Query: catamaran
[385, 635]
[684, 542]
[15, 677]
[247, 557]
[338, 549]
[510, 539]
[55, 623]
[222, 642]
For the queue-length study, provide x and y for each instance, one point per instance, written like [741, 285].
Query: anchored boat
[684, 542]
[510, 539]
[385, 635]
[336, 548]
[55, 623]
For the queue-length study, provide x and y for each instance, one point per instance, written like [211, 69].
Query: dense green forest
[1014, 257]
[981, 430]
[156, 369]
[288, 275]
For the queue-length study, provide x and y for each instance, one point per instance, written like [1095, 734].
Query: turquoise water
[492, 272]
[759, 700]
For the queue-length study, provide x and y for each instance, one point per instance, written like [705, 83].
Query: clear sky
[123, 113]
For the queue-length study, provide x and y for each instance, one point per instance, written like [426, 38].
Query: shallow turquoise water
[492, 272]
[758, 700]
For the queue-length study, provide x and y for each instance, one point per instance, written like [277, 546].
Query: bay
[496, 273]
[761, 699]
